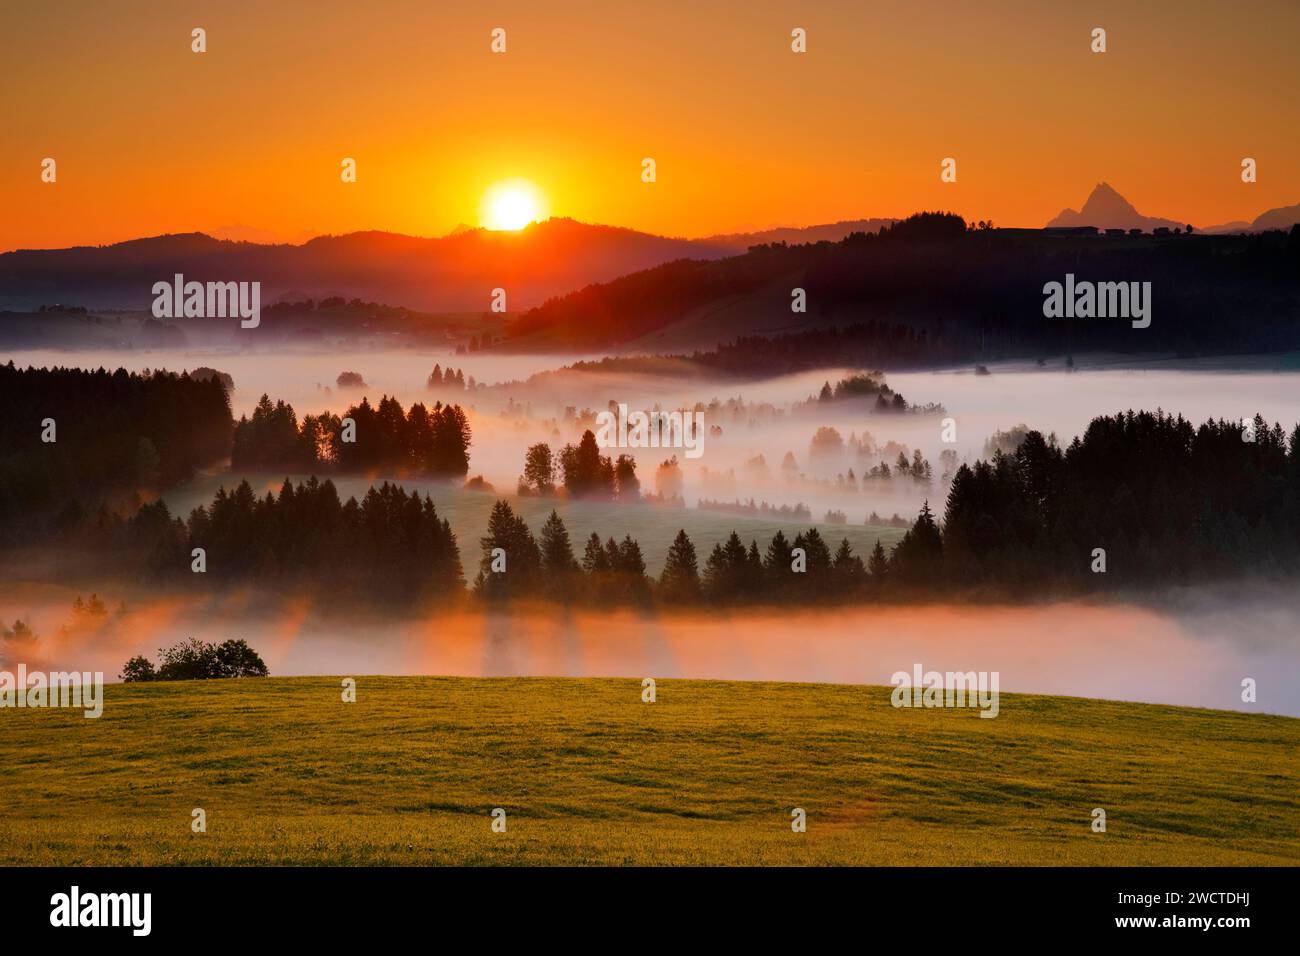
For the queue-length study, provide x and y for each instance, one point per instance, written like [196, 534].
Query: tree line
[389, 546]
[1163, 500]
[73, 440]
[516, 565]
[419, 441]
[70, 434]
[1139, 500]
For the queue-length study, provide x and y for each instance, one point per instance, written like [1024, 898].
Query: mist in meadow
[1184, 647]
[752, 426]
[1192, 649]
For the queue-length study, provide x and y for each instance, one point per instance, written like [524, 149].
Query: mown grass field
[588, 774]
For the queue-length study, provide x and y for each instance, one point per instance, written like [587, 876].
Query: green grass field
[588, 774]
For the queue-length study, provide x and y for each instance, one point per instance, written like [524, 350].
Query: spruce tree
[680, 580]
[878, 563]
[559, 567]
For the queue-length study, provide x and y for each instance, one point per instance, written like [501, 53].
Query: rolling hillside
[589, 774]
[455, 273]
[978, 294]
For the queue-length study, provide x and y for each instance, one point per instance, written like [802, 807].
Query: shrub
[197, 660]
[138, 669]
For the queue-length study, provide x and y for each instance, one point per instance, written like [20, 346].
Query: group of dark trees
[581, 470]
[196, 660]
[1167, 501]
[73, 442]
[863, 386]
[894, 521]
[516, 565]
[72, 435]
[1139, 500]
[389, 546]
[917, 470]
[735, 574]
[365, 438]
[451, 378]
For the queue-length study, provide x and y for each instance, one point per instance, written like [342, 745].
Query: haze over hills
[1283, 217]
[1107, 209]
[455, 273]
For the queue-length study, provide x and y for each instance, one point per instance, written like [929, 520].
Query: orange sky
[152, 138]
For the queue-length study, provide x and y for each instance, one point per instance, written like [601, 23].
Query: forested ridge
[953, 294]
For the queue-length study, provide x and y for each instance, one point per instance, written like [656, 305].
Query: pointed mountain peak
[1106, 203]
[1107, 209]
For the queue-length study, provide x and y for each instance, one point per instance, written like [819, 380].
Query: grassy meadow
[589, 774]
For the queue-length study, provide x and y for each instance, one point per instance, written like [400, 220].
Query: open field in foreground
[588, 774]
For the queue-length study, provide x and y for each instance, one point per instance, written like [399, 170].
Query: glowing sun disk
[512, 205]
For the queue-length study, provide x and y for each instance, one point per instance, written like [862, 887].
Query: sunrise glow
[512, 205]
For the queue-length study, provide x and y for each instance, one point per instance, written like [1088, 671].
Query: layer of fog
[1196, 650]
[742, 450]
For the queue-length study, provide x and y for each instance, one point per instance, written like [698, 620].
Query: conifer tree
[680, 580]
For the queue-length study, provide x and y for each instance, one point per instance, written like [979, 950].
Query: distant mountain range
[1107, 209]
[454, 273]
[1283, 217]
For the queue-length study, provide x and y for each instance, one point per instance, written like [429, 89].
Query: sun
[512, 204]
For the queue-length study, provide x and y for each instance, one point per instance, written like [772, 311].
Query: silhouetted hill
[455, 273]
[1107, 209]
[792, 235]
[975, 294]
[1237, 225]
[1283, 217]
